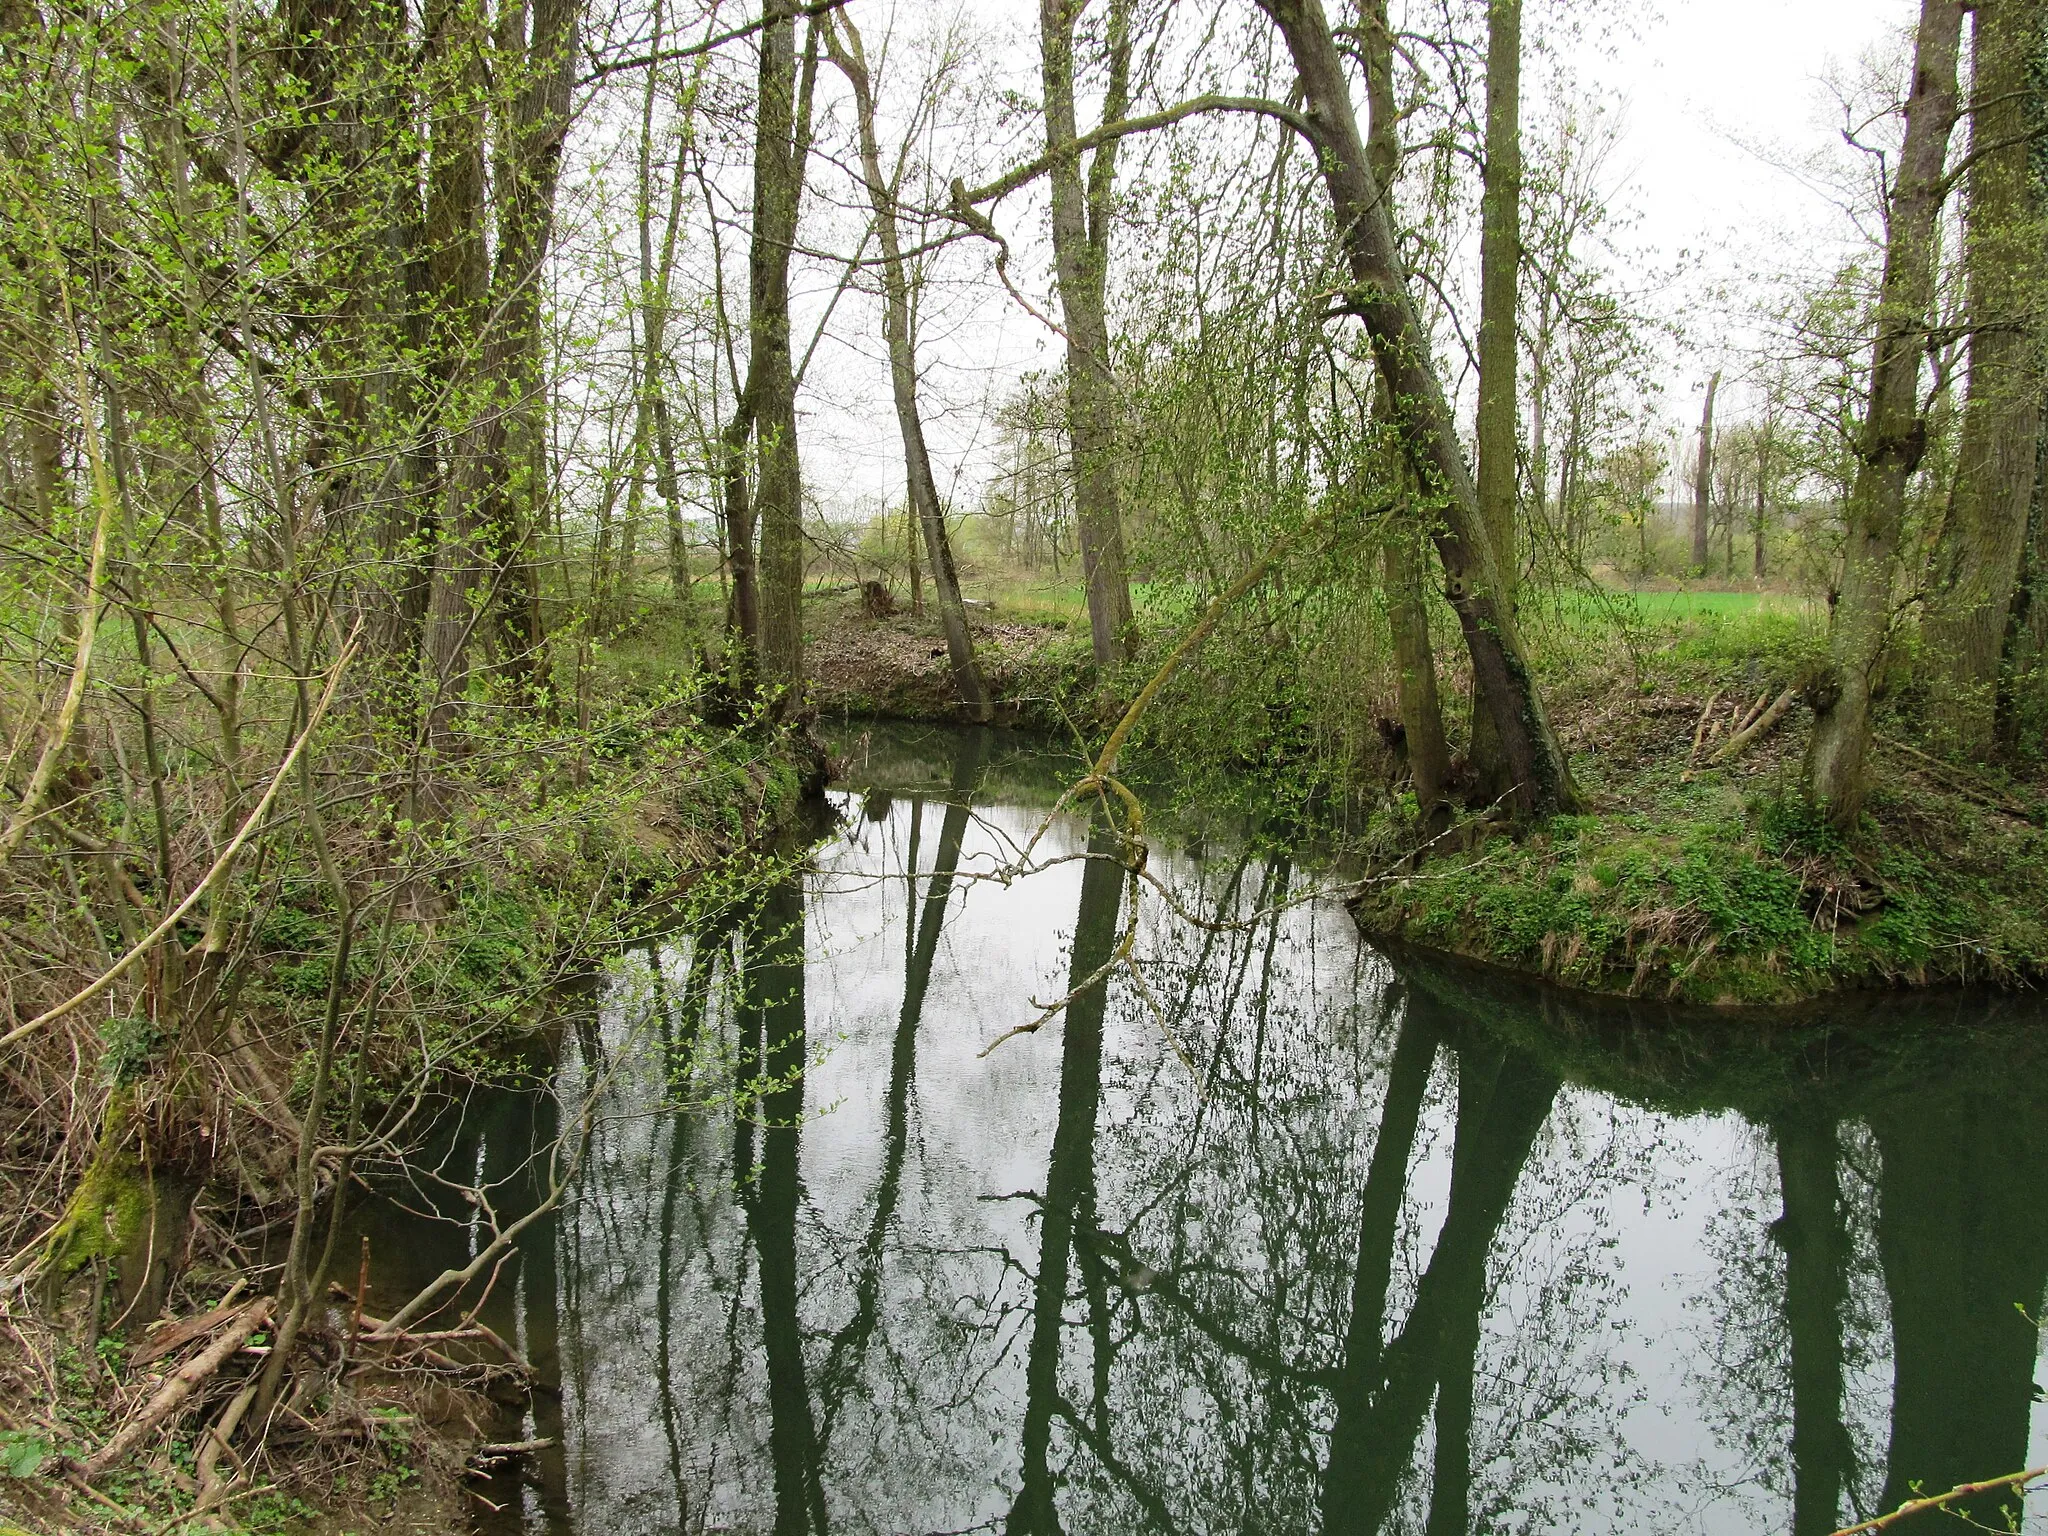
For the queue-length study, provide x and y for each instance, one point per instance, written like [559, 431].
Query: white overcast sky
[1714, 97]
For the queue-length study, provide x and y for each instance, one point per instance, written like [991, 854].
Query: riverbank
[1697, 872]
[1694, 870]
[150, 1206]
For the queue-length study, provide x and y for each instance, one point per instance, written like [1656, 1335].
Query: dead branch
[1959, 780]
[171, 1396]
[1755, 731]
[165, 1337]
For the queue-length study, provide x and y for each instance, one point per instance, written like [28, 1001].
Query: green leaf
[21, 1454]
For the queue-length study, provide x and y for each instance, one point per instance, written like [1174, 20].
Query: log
[1699, 731]
[1750, 715]
[1755, 731]
[171, 1396]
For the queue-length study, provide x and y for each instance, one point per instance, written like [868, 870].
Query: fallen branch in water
[2017, 1480]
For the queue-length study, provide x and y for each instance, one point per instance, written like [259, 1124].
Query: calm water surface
[1289, 1238]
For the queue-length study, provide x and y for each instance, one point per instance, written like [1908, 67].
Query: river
[1263, 1233]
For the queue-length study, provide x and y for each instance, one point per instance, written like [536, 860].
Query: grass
[1719, 884]
[1680, 878]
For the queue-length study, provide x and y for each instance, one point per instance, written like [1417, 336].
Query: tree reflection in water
[1398, 1251]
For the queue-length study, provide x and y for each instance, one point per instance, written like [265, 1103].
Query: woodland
[423, 568]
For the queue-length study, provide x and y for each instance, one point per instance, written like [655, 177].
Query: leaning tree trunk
[1894, 433]
[851, 58]
[1080, 244]
[1977, 561]
[1500, 262]
[1380, 297]
[1703, 479]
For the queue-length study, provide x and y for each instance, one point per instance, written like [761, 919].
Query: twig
[121, 1511]
[1939, 1500]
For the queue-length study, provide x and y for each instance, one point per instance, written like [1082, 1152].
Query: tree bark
[1422, 721]
[781, 145]
[1500, 257]
[1080, 242]
[1380, 297]
[1977, 560]
[923, 491]
[1500, 260]
[1893, 435]
[1703, 479]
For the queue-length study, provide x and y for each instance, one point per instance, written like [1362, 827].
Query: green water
[1289, 1238]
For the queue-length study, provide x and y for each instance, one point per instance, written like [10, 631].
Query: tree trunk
[458, 280]
[1380, 297]
[1763, 475]
[653, 437]
[507, 465]
[736, 509]
[1703, 479]
[1893, 435]
[1977, 560]
[781, 144]
[1500, 259]
[1080, 243]
[923, 490]
[1422, 721]
[1812, 1233]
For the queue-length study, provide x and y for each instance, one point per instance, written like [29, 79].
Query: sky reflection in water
[1374, 1249]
